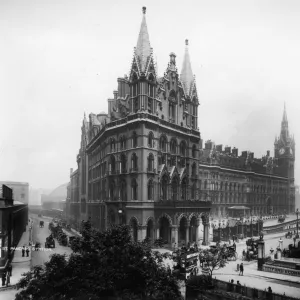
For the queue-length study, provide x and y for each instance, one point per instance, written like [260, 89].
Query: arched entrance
[134, 229]
[183, 225]
[165, 229]
[150, 230]
[193, 229]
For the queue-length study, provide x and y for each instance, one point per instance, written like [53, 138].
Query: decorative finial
[186, 41]
[144, 10]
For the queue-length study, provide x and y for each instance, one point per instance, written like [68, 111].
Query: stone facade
[264, 185]
[139, 163]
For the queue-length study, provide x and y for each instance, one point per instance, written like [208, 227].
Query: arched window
[184, 189]
[221, 186]
[150, 162]
[163, 143]
[134, 164]
[164, 186]
[111, 190]
[173, 146]
[194, 151]
[194, 169]
[104, 189]
[174, 189]
[150, 139]
[122, 143]
[112, 165]
[134, 140]
[123, 192]
[182, 148]
[150, 190]
[193, 194]
[133, 189]
[112, 145]
[205, 184]
[123, 163]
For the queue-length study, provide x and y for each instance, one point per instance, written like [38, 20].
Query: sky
[61, 58]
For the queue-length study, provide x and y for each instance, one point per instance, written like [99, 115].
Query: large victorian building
[139, 163]
[242, 183]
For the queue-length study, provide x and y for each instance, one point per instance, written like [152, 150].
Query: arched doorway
[193, 229]
[165, 229]
[183, 225]
[150, 230]
[134, 229]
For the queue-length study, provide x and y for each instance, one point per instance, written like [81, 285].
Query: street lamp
[297, 213]
[260, 253]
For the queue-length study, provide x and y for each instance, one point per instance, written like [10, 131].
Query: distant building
[263, 185]
[13, 221]
[56, 199]
[297, 197]
[20, 190]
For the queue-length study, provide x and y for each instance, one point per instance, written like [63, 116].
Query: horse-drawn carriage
[281, 219]
[41, 224]
[229, 251]
[50, 243]
[288, 235]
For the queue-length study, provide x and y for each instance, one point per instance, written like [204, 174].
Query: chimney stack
[71, 171]
[219, 148]
[268, 153]
[115, 95]
[228, 150]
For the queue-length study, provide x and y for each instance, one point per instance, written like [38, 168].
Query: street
[40, 235]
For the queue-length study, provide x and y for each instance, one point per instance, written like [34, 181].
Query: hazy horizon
[60, 59]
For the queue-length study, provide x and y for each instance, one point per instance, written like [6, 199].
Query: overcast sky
[61, 58]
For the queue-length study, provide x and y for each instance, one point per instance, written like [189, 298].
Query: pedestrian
[9, 269]
[234, 246]
[27, 252]
[269, 294]
[3, 278]
[241, 269]
[238, 287]
[23, 251]
[284, 252]
[7, 279]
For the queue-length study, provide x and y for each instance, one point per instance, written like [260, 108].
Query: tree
[214, 258]
[104, 265]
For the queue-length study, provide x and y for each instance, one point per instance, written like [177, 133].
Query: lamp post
[297, 213]
[260, 253]
[121, 215]
[219, 231]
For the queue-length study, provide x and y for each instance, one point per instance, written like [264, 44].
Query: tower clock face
[281, 151]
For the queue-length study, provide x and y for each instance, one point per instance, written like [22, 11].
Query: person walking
[234, 246]
[27, 252]
[241, 269]
[23, 251]
[3, 278]
[9, 269]
[7, 279]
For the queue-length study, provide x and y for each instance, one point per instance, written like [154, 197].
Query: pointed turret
[143, 49]
[186, 76]
[284, 126]
[284, 117]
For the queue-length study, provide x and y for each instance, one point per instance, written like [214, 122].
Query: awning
[238, 207]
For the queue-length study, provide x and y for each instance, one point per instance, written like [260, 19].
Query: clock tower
[284, 152]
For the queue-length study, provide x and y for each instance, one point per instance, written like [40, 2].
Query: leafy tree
[104, 265]
[214, 258]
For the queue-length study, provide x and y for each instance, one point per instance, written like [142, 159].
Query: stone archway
[134, 229]
[193, 229]
[182, 231]
[150, 230]
[165, 229]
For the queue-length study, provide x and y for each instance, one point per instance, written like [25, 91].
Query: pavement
[20, 265]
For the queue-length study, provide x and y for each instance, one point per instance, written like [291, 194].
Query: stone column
[157, 232]
[187, 235]
[174, 236]
[205, 221]
[142, 232]
[199, 233]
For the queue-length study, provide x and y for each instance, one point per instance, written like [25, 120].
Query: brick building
[264, 185]
[139, 163]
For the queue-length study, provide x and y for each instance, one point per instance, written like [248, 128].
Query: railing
[133, 170]
[229, 290]
[280, 270]
[177, 204]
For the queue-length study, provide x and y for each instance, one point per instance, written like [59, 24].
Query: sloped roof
[60, 191]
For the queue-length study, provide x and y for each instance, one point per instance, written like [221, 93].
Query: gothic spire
[284, 117]
[143, 49]
[186, 76]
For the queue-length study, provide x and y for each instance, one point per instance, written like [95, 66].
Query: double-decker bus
[187, 263]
